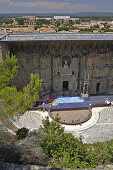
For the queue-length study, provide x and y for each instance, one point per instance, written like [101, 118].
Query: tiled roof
[52, 37]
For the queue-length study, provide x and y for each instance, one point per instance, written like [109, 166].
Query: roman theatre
[77, 74]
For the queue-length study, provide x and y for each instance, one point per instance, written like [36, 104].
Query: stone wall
[68, 67]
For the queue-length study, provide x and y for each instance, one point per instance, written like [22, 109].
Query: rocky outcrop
[9, 166]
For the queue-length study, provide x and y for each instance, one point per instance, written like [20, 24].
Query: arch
[66, 61]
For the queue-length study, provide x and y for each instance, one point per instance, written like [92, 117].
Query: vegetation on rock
[70, 152]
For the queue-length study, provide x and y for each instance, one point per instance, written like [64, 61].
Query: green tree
[110, 151]
[57, 23]
[15, 102]
[39, 22]
[37, 26]
[12, 102]
[42, 21]
[78, 21]
[31, 91]
[7, 21]
[97, 154]
[66, 28]
[70, 152]
[71, 22]
[22, 133]
[50, 136]
[20, 21]
[60, 145]
[8, 70]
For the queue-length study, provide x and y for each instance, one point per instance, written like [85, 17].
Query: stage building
[70, 64]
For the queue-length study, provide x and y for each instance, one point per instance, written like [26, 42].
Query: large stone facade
[69, 67]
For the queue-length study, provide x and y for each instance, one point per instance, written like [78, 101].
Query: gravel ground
[72, 115]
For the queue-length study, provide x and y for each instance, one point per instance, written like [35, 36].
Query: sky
[55, 6]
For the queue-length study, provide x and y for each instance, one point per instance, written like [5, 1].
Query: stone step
[10, 125]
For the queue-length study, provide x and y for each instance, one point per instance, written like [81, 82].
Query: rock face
[23, 152]
[8, 166]
[69, 67]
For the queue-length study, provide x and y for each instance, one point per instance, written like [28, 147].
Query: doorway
[98, 88]
[65, 86]
[86, 89]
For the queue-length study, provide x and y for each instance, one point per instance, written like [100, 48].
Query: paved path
[98, 128]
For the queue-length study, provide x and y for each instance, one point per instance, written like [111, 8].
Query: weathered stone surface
[86, 66]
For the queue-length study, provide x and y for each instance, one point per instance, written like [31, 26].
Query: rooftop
[59, 37]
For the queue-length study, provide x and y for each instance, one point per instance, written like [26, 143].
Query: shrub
[22, 133]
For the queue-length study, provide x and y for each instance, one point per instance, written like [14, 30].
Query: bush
[22, 133]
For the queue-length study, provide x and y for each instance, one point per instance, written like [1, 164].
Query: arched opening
[66, 61]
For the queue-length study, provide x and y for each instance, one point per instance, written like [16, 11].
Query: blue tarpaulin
[76, 102]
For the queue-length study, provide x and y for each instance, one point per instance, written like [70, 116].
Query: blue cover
[76, 102]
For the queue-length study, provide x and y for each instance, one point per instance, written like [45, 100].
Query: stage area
[69, 99]
[75, 103]
[72, 116]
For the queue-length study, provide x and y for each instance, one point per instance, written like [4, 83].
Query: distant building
[95, 31]
[43, 18]
[62, 17]
[75, 19]
[101, 26]
[85, 23]
[94, 22]
[111, 27]
[29, 17]
[2, 31]
[15, 23]
[82, 26]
